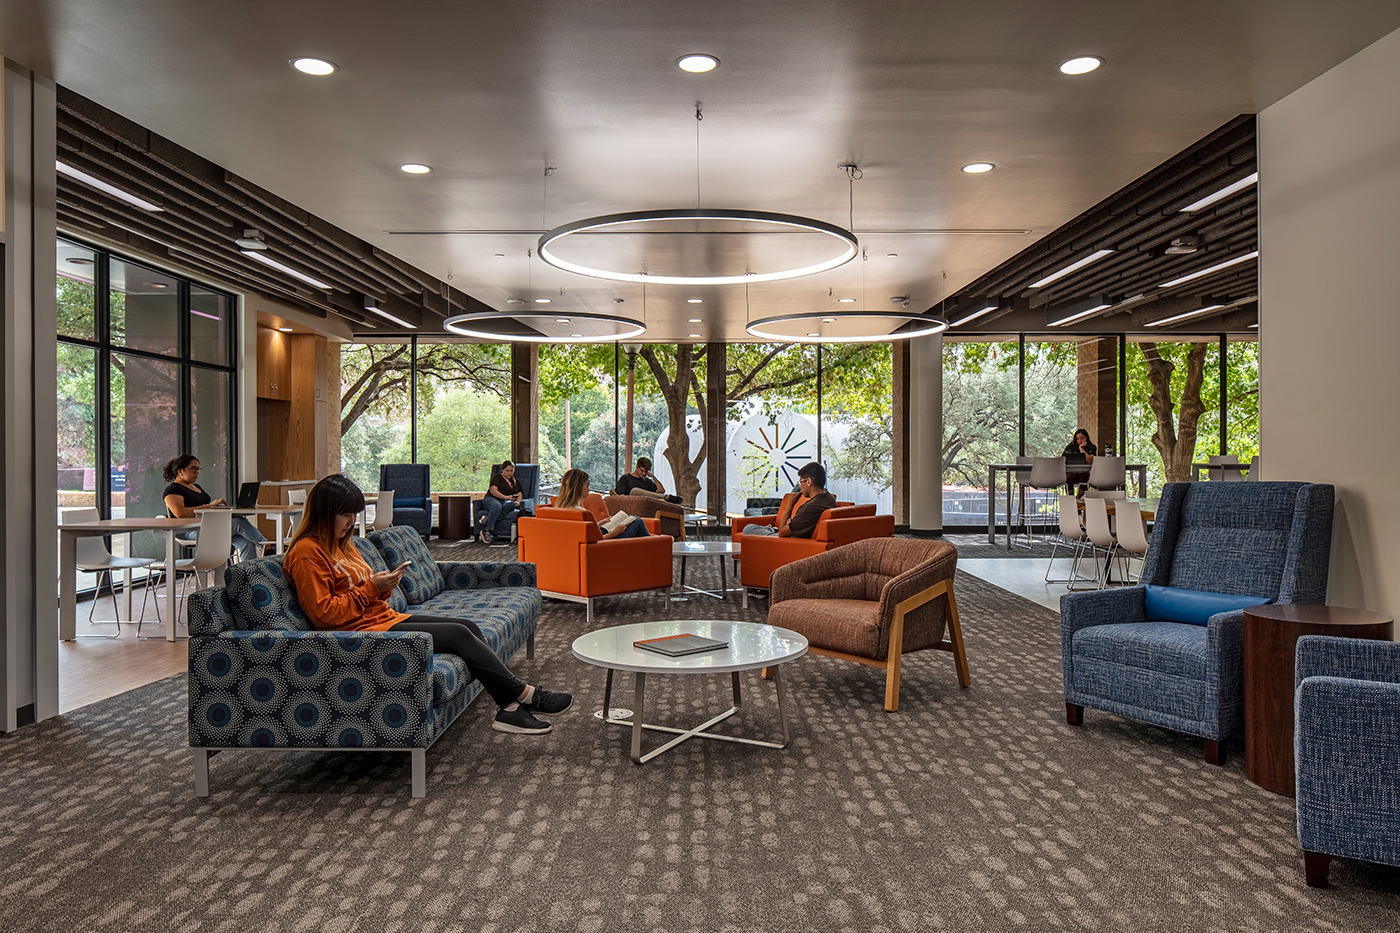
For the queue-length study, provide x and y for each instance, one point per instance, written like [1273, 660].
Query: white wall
[1329, 169]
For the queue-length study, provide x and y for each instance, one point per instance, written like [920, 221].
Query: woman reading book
[337, 590]
[573, 489]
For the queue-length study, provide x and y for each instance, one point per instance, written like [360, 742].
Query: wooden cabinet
[274, 365]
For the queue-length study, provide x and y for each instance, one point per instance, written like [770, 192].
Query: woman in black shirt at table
[1080, 444]
[184, 497]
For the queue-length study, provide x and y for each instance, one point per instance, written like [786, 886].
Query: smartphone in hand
[402, 566]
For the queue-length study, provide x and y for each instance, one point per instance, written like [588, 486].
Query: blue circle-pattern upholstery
[261, 597]
[421, 580]
[371, 554]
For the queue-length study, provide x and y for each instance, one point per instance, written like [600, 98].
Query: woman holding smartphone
[337, 590]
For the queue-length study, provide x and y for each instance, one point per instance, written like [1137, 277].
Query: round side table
[454, 515]
[1271, 636]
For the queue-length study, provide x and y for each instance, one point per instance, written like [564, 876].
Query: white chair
[293, 519]
[1071, 534]
[1047, 473]
[1108, 473]
[1131, 534]
[1105, 494]
[1101, 535]
[383, 510]
[212, 552]
[1253, 475]
[93, 557]
[1225, 474]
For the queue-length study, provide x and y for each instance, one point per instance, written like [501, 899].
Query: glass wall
[463, 413]
[139, 382]
[857, 422]
[1242, 399]
[376, 409]
[580, 412]
[981, 424]
[1173, 406]
[772, 419]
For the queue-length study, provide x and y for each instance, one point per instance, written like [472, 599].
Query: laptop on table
[248, 495]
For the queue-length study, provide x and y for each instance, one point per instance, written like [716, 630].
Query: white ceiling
[489, 94]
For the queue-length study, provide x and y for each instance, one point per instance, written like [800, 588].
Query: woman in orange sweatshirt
[337, 590]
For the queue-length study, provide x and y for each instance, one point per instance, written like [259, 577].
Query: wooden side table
[1271, 635]
[454, 515]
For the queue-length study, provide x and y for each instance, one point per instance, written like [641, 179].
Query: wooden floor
[94, 668]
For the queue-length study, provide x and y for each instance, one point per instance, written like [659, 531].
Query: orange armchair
[761, 555]
[573, 563]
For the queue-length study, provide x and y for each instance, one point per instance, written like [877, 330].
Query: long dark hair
[1078, 431]
[173, 468]
[571, 488]
[333, 496]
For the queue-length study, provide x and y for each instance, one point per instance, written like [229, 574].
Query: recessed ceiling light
[694, 320]
[282, 267]
[100, 185]
[500, 255]
[692, 335]
[814, 335]
[1208, 200]
[1072, 267]
[697, 63]
[828, 320]
[1210, 269]
[543, 301]
[285, 330]
[561, 320]
[576, 335]
[1081, 65]
[978, 168]
[415, 168]
[314, 66]
[845, 301]
[891, 255]
[695, 301]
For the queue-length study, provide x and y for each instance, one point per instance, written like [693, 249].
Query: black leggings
[463, 638]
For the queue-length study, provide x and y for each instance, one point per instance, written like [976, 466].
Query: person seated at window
[1080, 444]
[337, 590]
[800, 517]
[574, 488]
[503, 501]
[642, 482]
[184, 497]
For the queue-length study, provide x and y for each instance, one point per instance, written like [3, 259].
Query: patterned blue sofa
[1266, 540]
[1346, 743]
[261, 676]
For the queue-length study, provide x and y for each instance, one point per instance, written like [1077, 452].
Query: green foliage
[375, 377]
[462, 438]
[364, 447]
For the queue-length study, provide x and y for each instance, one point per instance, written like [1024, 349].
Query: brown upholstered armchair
[670, 520]
[873, 601]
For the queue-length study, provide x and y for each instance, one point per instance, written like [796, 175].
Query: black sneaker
[519, 721]
[549, 703]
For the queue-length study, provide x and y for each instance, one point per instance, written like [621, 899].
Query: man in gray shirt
[813, 501]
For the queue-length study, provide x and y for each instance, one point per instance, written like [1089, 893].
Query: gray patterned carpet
[972, 809]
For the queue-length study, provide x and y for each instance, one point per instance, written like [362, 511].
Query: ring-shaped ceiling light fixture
[846, 326]
[849, 246]
[545, 326]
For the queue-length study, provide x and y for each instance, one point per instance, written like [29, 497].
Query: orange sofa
[572, 562]
[761, 555]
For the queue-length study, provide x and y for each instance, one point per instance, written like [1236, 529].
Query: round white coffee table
[720, 549]
[750, 646]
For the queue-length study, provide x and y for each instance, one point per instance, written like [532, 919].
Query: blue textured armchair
[1268, 540]
[528, 476]
[1346, 742]
[413, 503]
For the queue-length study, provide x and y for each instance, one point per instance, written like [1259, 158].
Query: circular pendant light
[846, 243]
[846, 326]
[545, 326]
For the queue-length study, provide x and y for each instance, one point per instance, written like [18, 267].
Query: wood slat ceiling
[1138, 223]
[205, 208]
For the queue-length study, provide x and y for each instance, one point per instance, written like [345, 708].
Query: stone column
[524, 402]
[1098, 391]
[926, 435]
[28, 390]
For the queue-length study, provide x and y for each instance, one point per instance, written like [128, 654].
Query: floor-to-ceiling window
[145, 372]
[463, 412]
[1173, 391]
[376, 413]
[772, 419]
[857, 422]
[981, 424]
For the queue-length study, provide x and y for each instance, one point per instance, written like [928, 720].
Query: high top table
[68, 536]
[1010, 469]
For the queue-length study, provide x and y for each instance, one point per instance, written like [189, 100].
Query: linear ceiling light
[1199, 312]
[372, 305]
[1211, 269]
[986, 306]
[1072, 267]
[1077, 311]
[1223, 193]
[101, 185]
[684, 219]
[269, 261]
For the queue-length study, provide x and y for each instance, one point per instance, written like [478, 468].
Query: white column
[926, 434]
[28, 377]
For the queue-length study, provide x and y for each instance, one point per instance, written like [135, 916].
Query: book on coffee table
[676, 645]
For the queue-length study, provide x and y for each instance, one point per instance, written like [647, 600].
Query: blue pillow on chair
[410, 503]
[1170, 604]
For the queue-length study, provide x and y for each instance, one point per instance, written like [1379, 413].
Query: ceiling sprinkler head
[901, 300]
[251, 239]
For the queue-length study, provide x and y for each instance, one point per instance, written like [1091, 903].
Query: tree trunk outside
[1176, 442]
